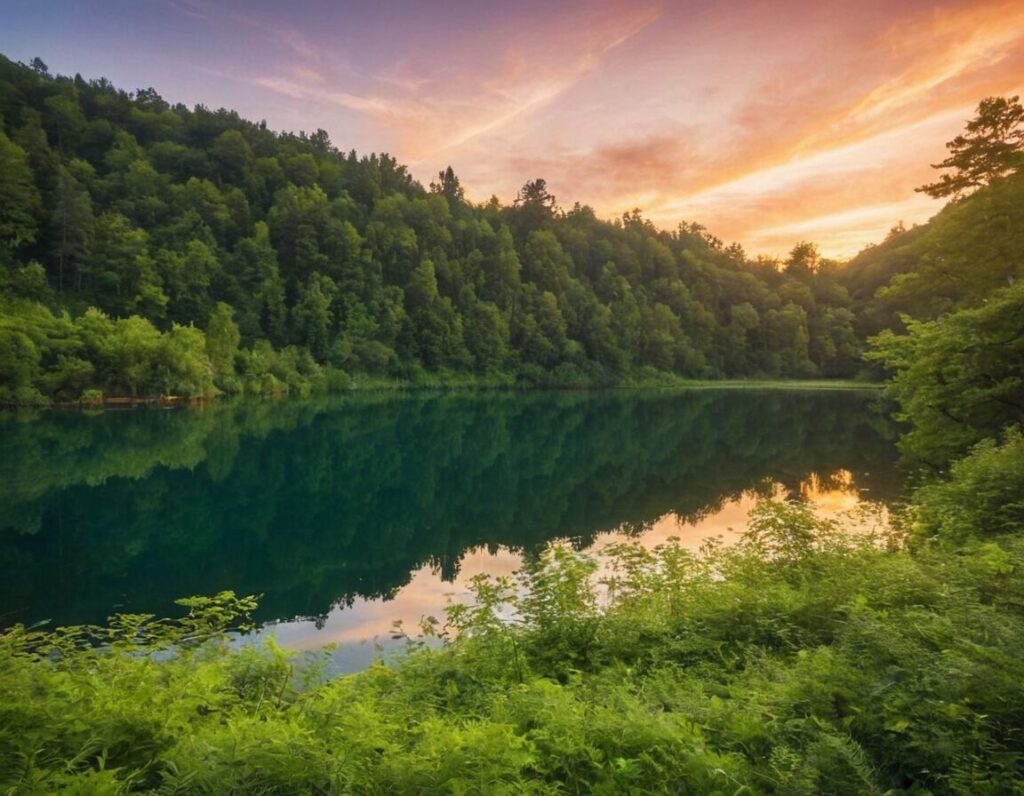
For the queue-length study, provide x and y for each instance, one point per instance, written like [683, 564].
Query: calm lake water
[349, 512]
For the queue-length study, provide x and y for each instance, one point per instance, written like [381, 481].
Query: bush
[983, 496]
[336, 380]
[91, 397]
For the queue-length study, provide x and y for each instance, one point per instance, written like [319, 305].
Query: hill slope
[219, 255]
[970, 249]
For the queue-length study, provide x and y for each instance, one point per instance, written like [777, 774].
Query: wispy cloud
[830, 156]
[760, 120]
[323, 93]
[430, 107]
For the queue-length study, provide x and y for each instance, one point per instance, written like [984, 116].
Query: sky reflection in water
[347, 513]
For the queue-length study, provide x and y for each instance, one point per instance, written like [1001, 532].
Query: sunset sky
[768, 122]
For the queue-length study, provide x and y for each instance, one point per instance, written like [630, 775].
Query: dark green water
[320, 505]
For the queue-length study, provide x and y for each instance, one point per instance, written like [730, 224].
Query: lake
[348, 512]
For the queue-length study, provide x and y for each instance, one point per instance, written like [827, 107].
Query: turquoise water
[347, 512]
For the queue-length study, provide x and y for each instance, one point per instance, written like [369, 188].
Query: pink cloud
[760, 120]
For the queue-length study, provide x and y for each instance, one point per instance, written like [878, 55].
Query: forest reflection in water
[364, 628]
[327, 506]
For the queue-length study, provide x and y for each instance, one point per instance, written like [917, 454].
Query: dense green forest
[153, 249]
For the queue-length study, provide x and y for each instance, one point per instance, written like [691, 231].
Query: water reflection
[362, 630]
[326, 506]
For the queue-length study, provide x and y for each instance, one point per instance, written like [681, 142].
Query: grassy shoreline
[465, 384]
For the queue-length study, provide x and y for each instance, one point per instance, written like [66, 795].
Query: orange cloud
[767, 122]
[831, 154]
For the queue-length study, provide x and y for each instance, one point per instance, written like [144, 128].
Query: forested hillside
[149, 248]
[970, 249]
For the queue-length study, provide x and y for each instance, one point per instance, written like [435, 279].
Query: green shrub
[91, 397]
[984, 495]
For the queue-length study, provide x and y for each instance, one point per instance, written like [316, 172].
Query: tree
[486, 332]
[991, 148]
[134, 349]
[19, 365]
[73, 225]
[787, 338]
[501, 276]
[187, 276]
[958, 379]
[19, 198]
[222, 339]
[743, 322]
[804, 259]
[312, 317]
[660, 337]
[183, 364]
[123, 274]
[448, 185]
[535, 193]
[545, 262]
[534, 205]
[27, 281]
[972, 248]
[538, 330]
[298, 222]
[231, 156]
[423, 304]
[65, 120]
[257, 290]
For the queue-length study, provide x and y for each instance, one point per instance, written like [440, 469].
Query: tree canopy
[991, 147]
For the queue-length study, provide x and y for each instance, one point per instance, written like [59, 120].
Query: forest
[150, 249]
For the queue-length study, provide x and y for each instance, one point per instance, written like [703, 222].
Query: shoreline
[175, 401]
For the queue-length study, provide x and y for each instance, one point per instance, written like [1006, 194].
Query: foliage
[984, 494]
[992, 147]
[719, 673]
[19, 198]
[958, 379]
[970, 249]
[150, 249]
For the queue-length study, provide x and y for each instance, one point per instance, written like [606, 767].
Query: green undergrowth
[805, 659]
